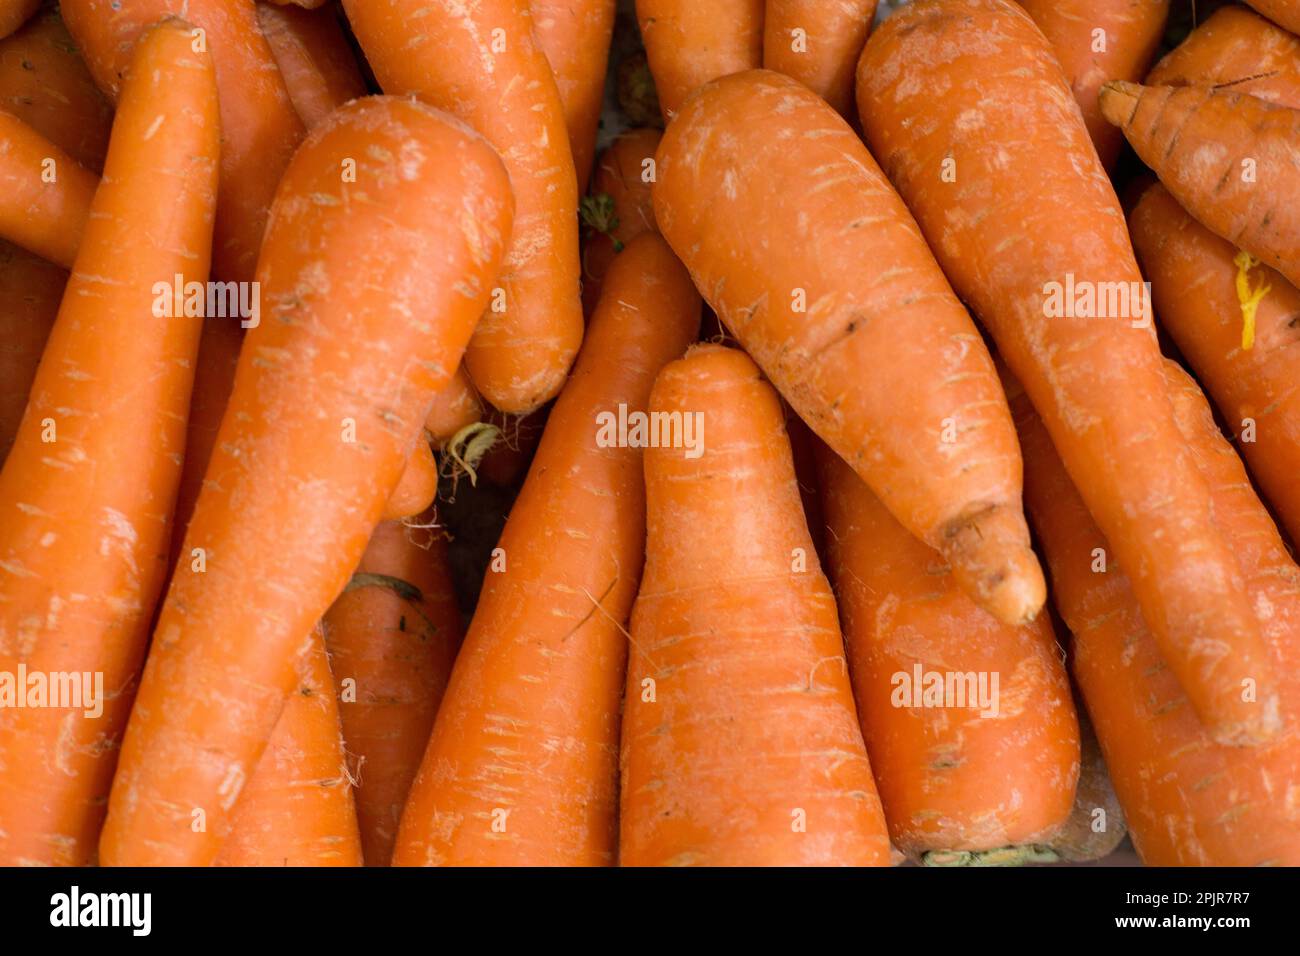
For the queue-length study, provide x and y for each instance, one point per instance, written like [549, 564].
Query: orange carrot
[689, 43]
[319, 69]
[482, 64]
[1035, 241]
[14, 13]
[740, 745]
[87, 490]
[407, 212]
[30, 290]
[392, 636]
[44, 193]
[522, 764]
[818, 44]
[1282, 12]
[455, 405]
[417, 487]
[920, 416]
[624, 174]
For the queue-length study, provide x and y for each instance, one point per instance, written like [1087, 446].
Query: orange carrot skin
[14, 13]
[996, 230]
[524, 345]
[260, 127]
[740, 745]
[44, 193]
[298, 808]
[417, 487]
[824, 56]
[927, 427]
[289, 501]
[30, 288]
[1282, 12]
[76, 533]
[1132, 31]
[1188, 801]
[952, 777]
[687, 44]
[455, 405]
[521, 768]
[319, 69]
[392, 654]
[625, 174]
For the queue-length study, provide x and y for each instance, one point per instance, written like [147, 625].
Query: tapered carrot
[968, 721]
[1187, 800]
[624, 174]
[455, 405]
[259, 126]
[689, 43]
[406, 211]
[14, 13]
[575, 36]
[298, 808]
[30, 290]
[87, 490]
[740, 744]
[818, 44]
[1285, 13]
[919, 414]
[1096, 41]
[521, 768]
[482, 64]
[392, 637]
[417, 487]
[1065, 305]
[319, 69]
[44, 193]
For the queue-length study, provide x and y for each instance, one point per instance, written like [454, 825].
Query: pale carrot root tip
[1118, 100]
[992, 561]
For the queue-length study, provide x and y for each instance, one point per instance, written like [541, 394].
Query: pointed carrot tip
[1118, 100]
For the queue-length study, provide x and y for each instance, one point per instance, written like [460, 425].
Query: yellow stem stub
[1248, 298]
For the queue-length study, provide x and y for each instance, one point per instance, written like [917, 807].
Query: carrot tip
[992, 561]
[1118, 99]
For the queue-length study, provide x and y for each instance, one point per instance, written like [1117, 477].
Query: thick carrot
[1034, 240]
[919, 414]
[14, 13]
[1195, 279]
[818, 43]
[259, 126]
[406, 211]
[1284, 13]
[624, 174]
[482, 64]
[521, 768]
[689, 43]
[575, 36]
[968, 721]
[319, 69]
[1096, 41]
[298, 808]
[740, 744]
[87, 490]
[30, 290]
[1187, 799]
[417, 487]
[44, 193]
[392, 635]
[455, 405]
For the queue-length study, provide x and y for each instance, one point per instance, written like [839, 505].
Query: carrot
[619, 208]
[920, 416]
[14, 13]
[1020, 231]
[1096, 41]
[319, 69]
[417, 487]
[455, 405]
[1194, 278]
[86, 492]
[1187, 799]
[1095, 827]
[259, 126]
[1282, 12]
[740, 745]
[482, 65]
[1225, 156]
[575, 36]
[968, 721]
[416, 209]
[30, 290]
[521, 768]
[818, 44]
[392, 636]
[298, 808]
[689, 43]
[44, 193]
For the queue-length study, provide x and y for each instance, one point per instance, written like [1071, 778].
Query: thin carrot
[319, 69]
[688, 43]
[392, 635]
[1030, 237]
[481, 64]
[916, 409]
[44, 193]
[87, 490]
[14, 13]
[417, 487]
[407, 212]
[818, 44]
[455, 405]
[1282, 12]
[521, 768]
[30, 290]
[619, 208]
[740, 744]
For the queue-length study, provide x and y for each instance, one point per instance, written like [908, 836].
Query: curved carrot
[818, 43]
[87, 490]
[319, 69]
[740, 744]
[481, 64]
[996, 219]
[521, 768]
[990, 760]
[14, 13]
[30, 290]
[624, 174]
[913, 404]
[417, 487]
[406, 211]
[689, 43]
[392, 636]
[455, 405]
[259, 127]
[45, 194]
[1284, 13]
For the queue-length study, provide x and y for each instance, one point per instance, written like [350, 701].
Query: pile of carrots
[889, 451]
